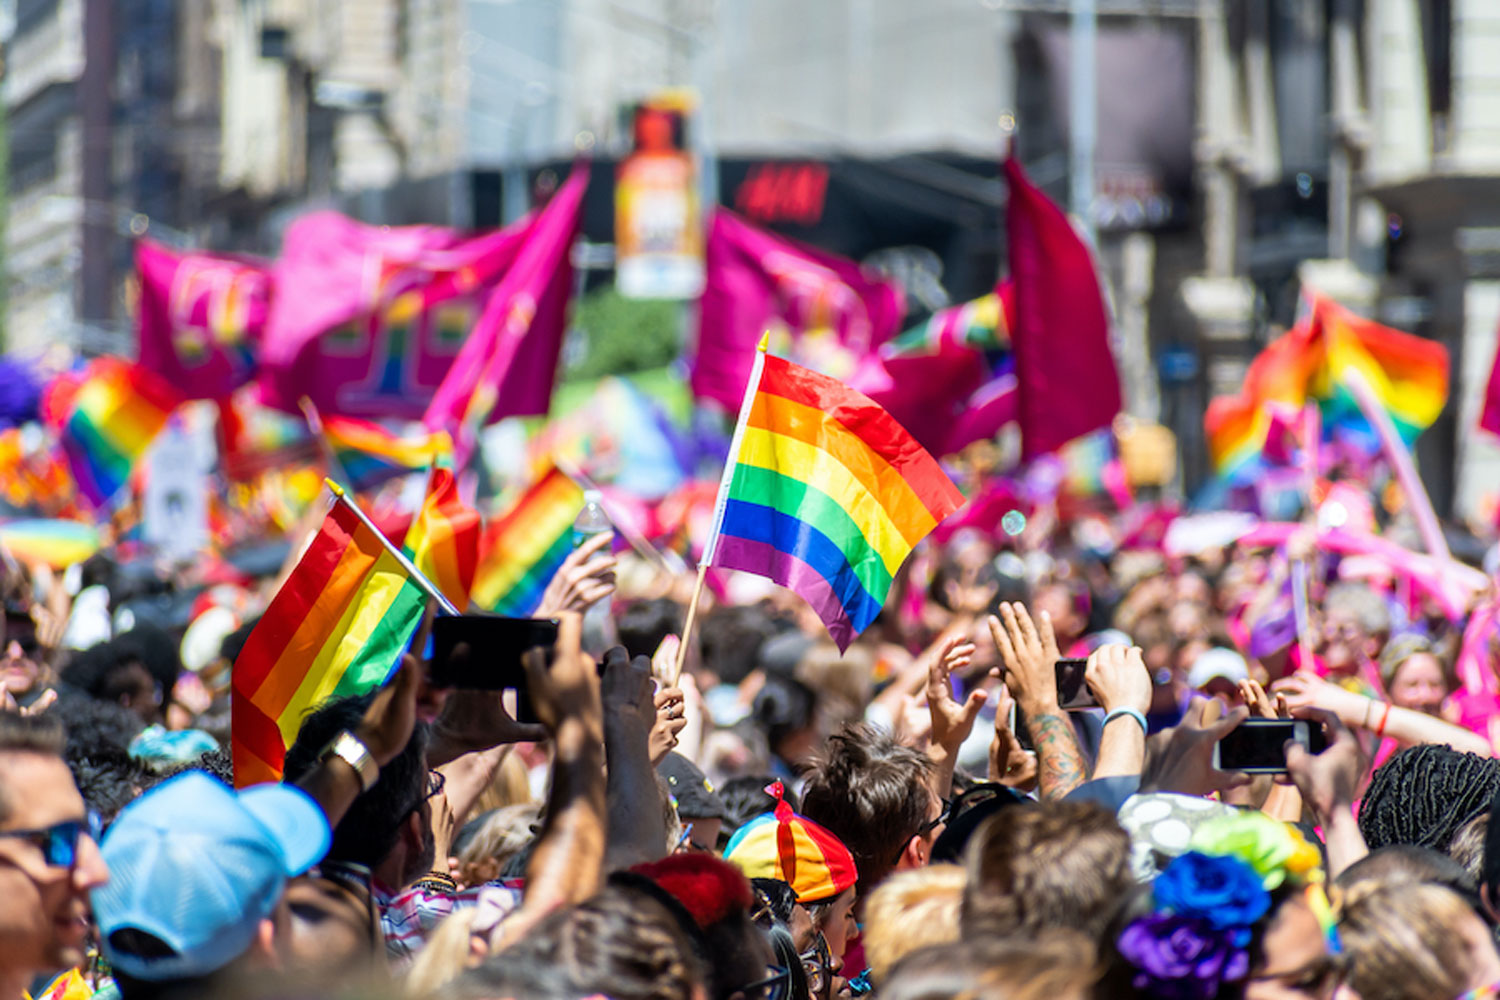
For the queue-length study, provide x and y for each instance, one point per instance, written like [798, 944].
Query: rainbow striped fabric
[115, 414]
[522, 550]
[1409, 375]
[49, 542]
[369, 454]
[337, 626]
[794, 850]
[825, 494]
[981, 323]
[443, 540]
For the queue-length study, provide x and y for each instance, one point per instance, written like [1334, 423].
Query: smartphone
[1258, 746]
[483, 652]
[1072, 692]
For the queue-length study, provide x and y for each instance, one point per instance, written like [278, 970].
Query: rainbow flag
[825, 494]
[55, 543]
[443, 540]
[1409, 375]
[337, 626]
[369, 454]
[982, 323]
[523, 549]
[114, 415]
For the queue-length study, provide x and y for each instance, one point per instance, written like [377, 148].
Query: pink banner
[201, 318]
[367, 320]
[508, 366]
[1068, 383]
[822, 310]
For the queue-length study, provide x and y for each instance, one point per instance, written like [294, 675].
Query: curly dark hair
[1424, 794]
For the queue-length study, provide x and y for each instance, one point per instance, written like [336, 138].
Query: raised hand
[952, 721]
[585, 577]
[1118, 677]
[1182, 758]
[1029, 656]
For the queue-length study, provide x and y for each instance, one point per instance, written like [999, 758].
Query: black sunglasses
[927, 828]
[59, 842]
[773, 987]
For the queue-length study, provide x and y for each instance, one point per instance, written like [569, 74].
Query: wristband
[1121, 712]
[1384, 716]
[348, 748]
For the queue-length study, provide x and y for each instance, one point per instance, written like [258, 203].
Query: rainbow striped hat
[793, 849]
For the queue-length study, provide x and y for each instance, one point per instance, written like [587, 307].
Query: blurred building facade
[1241, 148]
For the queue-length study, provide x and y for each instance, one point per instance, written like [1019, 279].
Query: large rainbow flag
[369, 454]
[113, 416]
[825, 494]
[522, 549]
[337, 626]
[443, 540]
[1308, 363]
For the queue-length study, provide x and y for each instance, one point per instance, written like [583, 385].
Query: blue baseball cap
[198, 866]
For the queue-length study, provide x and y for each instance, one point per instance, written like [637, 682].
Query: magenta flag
[508, 366]
[201, 317]
[949, 381]
[1065, 371]
[1489, 417]
[368, 319]
[822, 311]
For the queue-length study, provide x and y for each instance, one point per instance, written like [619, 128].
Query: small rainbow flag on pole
[824, 493]
[443, 540]
[522, 550]
[115, 414]
[369, 454]
[337, 626]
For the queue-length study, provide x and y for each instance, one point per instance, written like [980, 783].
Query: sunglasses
[776, 986]
[928, 827]
[436, 782]
[817, 963]
[59, 842]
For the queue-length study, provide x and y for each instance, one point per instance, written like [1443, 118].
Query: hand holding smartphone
[483, 653]
[1258, 746]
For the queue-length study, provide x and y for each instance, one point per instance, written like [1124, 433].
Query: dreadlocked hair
[1424, 794]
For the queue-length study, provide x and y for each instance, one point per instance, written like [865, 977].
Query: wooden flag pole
[417, 577]
[722, 500]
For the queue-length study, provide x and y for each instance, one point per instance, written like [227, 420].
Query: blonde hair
[1401, 939]
[911, 909]
[444, 957]
[509, 787]
[502, 836]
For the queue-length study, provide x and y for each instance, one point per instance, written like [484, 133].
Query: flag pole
[722, 500]
[426, 585]
[315, 424]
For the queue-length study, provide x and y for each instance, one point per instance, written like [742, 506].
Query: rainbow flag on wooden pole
[337, 626]
[823, 493]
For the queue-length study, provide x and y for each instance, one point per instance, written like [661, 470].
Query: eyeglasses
[817, 962]
[358, 882]
[435, 784]
[59, 842]
[776, 986]
[927, 828]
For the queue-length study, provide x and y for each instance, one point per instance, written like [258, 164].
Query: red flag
[832, 312]
[1067, 380]
[507, 367]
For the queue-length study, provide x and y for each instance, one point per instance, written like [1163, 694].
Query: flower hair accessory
[1197, 937]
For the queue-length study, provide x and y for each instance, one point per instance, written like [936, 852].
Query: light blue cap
[199, 867]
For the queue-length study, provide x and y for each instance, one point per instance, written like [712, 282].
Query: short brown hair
[34, 734]
[873, 793]
[1048, 865]
[1060, 965]
[1400, 940]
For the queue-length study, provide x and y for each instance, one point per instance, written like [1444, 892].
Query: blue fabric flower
[1223, 891]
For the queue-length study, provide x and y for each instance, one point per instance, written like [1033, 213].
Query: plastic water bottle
[591, 520]
[598, 625]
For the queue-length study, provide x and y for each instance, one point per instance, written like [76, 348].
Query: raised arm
[1029, 654]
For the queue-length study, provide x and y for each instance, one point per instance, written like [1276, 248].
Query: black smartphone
[1258, 746]
[1072, 692]
[483, 652]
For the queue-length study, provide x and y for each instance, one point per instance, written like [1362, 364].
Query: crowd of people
[921, 816]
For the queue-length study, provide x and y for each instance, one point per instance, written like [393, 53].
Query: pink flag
[1489, 417]
[823, 311]
[367, 320]
[201, 317]
[949, 381]
[1066, 373]
[508, 366]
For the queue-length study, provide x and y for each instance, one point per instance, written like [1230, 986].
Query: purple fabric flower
[1221, 889]
[1182, 957]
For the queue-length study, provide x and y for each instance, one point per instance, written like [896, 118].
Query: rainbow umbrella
[50, 542]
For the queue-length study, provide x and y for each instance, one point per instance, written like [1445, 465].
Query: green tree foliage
[615, 335]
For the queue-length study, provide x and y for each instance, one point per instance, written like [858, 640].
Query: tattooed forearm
[1059, 761]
